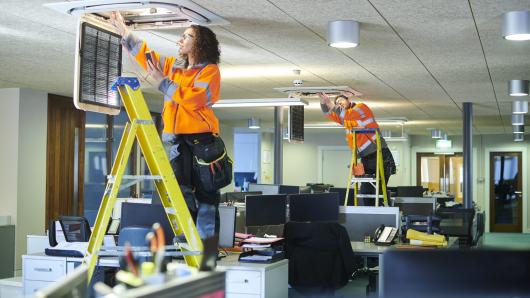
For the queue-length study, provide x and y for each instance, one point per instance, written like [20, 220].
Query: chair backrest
[456, 222]
[134, 235]
[320, 255]
[75, 228]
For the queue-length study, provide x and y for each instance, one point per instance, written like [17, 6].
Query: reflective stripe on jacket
[188, 93]
[360, 116]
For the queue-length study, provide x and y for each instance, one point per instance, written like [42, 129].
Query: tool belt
[211, 164]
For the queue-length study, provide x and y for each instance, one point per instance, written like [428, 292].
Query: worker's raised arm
[140, 51]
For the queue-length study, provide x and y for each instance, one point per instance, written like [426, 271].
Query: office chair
[134, 235]
[75, 228]
[457, 222]
[320, 256]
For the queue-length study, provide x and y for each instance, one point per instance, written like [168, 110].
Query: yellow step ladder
[379, 173]
[142, 128]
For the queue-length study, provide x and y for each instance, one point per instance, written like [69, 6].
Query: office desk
[370, 250]
[242, 279]
[40, 270]
[254, 279]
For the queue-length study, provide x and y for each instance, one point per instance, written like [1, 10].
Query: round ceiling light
[516, 25]
[343, 34]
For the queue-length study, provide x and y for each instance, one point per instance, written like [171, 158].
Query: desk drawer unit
[243, 282]
[44, 270]
[32, 286]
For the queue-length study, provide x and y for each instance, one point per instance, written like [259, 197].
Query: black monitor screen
[242, 179]
[456, 273]
[239, 196]
[409, 191]
[425, 209]
[289, 189]
[314, 207]
[266, 210]
[342, 195]
[145, 215]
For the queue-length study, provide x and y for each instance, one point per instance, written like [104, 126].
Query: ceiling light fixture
[520, 107]
[343, 34]
[253, 123]
[518, 119]
[516, 25]
[518, 87]
[436, 134]
[259, 102]
[518, 137]
[518, 129]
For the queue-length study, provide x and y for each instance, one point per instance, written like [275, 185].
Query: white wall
[23, 117]
[31, 203]
[9, 121]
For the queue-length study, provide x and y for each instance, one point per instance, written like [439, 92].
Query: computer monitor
[342, 195]
[415, 206]
[262, 210]
[74, 284]
[239, 197]
[145, 215]
[242, 179]
[455, 273]
[289, 189]
[227, 226]
[314, 207]
[266, 189]
[409, 191]
[360, 221]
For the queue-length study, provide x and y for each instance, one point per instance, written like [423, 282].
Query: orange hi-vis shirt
[360, 116]
[188, 93]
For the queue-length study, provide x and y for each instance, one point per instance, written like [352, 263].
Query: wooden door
[506, 195]
[64, 158]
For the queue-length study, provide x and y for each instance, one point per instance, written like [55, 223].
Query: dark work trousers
[370, 167]
[203, 205]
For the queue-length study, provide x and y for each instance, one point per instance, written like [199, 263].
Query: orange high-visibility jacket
[360, 116]
[188, 93]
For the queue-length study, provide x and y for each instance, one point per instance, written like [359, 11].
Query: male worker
[358, 115]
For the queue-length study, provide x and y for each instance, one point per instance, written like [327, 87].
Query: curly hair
[206, 46]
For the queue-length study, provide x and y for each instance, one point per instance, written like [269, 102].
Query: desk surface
[369, 249]
[231, 262]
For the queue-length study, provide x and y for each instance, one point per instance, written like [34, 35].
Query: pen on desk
[152, 243]
[130, 259]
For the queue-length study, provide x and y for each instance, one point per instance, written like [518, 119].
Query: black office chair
[320, 257]
[457, 222]
[75, 228]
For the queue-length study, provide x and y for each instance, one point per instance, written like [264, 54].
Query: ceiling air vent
[144, 14]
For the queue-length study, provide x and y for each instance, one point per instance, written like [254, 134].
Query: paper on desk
[243, 236]
[256, 258]
[261, 240]
[252, 245]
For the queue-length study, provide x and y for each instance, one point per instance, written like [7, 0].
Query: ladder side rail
[158, 163]
[109, 196]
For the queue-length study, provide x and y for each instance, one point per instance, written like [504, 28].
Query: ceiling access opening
[144, 14]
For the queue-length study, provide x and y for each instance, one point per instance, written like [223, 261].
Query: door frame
[486, 203]
[490, 186]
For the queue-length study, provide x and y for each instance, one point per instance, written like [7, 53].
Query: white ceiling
[417, 59]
